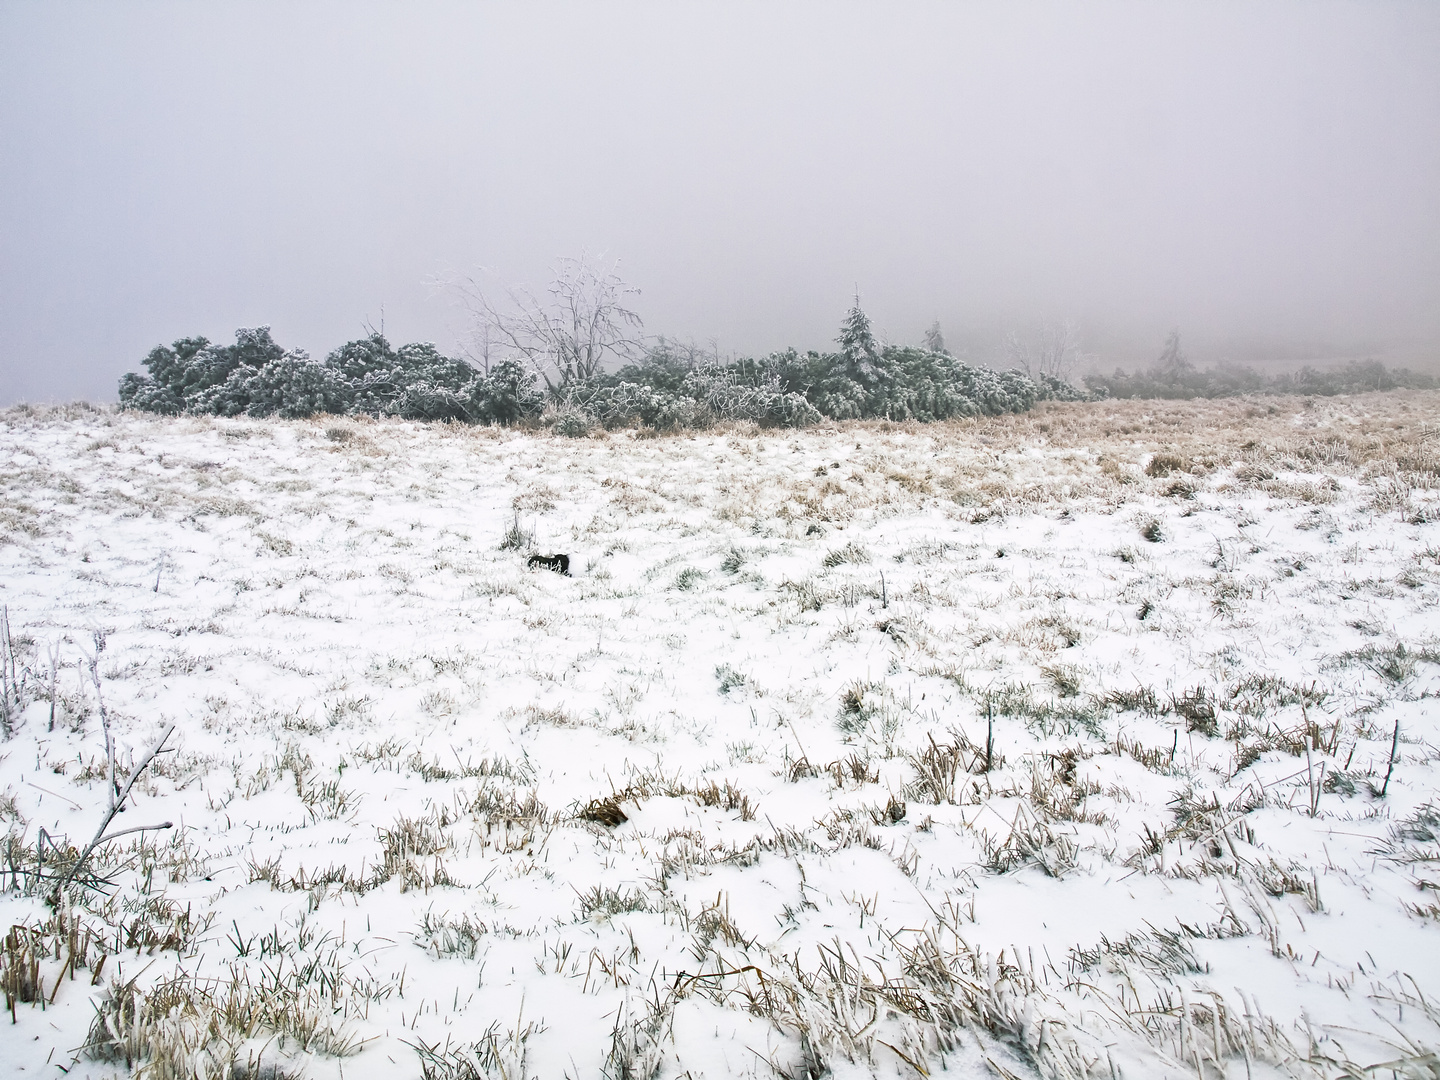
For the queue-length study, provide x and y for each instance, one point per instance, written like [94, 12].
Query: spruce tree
[857, 340]
[935, 340]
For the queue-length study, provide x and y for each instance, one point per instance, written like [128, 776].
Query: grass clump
[851, 553]
[730, 678]
[939, 765]
[1163, 464]
[1197, 707]
[1045, 718]
[182, 1026]
[604, 811]
[516, 537]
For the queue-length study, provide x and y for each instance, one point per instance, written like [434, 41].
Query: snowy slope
[401, 758]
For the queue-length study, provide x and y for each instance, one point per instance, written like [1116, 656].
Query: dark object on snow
[559, 563]
[605, 812]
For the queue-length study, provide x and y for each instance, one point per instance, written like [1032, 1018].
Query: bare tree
[1053, 350]
[481, 346]
[581, 324]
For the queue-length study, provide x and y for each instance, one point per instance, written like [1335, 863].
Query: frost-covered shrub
[179, 374]
[622, 404]
[671, 387]
[293, 386]
[678, 387]
[415, 381]
[727, 396]
[789, 410]
[839, 398]
[706, 394]
[505, 395]
[571, 423]
[913, 384]
[896, 383]
[1052, 388]
[256, 377]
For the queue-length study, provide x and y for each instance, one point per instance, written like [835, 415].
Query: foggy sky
[1265, 177]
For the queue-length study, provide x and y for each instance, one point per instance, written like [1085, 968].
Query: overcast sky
[1265, 177]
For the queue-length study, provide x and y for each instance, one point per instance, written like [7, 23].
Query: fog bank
[1262, 177]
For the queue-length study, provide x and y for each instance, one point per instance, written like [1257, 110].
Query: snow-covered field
[1056, 744]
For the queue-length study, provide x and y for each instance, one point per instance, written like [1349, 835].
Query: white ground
[364, 682]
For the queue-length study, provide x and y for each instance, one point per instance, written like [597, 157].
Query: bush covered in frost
[1172, 375]
[256, 377]
[864, 380]
[669, 387]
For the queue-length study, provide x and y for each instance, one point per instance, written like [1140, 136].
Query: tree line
[1172, 375]
[666, 385]
[574, 360]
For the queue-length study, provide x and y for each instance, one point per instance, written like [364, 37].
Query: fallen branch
[117, 794]
[115, 807]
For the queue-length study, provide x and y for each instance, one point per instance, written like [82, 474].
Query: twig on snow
[117, 794]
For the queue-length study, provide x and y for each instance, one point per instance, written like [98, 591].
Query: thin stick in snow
[54, 677]
[989, 735]
[110, 786]
[1315, 786]
[1394, 745]
[10, 690]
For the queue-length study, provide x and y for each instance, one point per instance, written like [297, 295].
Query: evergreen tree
[857, 340]
[1172, 361]
[935, 340]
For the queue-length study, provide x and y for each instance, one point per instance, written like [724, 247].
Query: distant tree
[857, 340]
[1172, 361]
[1173, 375]
[481, 347]
[568, 338]
[935, 340]
[844, 381]
[1052, 350]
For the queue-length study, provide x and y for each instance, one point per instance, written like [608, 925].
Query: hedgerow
[666, 388]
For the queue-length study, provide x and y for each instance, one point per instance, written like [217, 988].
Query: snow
[325, 611]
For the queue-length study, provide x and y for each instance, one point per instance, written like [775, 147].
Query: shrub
[671, 387]
[415, 381]
[572, 424]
